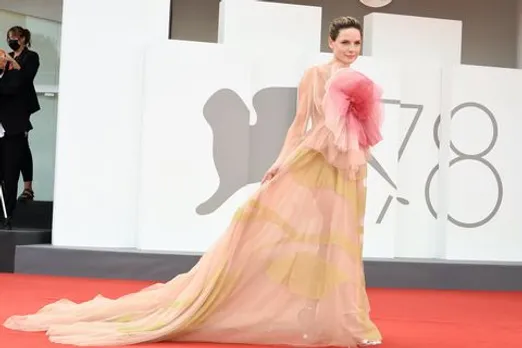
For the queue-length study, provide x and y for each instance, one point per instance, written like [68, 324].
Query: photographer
[18, 101]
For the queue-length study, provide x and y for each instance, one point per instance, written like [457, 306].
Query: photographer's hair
[341, 23]
[21, 33]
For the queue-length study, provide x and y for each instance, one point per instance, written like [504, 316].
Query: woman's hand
[13, 61]
[3, 59]
[3, 62]
[270, 174]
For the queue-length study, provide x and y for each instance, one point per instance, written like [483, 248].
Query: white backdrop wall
[210, 118]
[99, 118]
[485, 170]
[432, 42]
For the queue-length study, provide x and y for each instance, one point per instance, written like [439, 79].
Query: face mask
[13, 44]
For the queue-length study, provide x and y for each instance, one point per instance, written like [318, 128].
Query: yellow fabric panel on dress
[293, 271]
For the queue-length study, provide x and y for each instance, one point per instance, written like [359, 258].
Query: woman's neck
[19, 51]
[338, 64]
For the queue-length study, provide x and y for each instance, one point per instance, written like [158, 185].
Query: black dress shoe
[6, 224]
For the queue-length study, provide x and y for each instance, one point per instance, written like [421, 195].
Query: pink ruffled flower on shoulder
[353, 110]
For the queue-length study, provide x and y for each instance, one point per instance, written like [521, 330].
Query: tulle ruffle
[352, 110]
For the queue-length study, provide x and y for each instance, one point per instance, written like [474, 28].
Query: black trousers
[27, 161]
[12, 147]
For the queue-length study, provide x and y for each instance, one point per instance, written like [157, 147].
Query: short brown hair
[341, 23]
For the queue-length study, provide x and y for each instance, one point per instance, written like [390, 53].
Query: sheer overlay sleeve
[303, 112]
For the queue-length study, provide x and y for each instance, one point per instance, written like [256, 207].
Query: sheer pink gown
[287, 271]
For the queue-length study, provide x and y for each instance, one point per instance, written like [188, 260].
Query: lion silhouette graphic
[243, 153]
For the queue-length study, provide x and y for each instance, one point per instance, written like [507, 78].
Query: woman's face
[14, 41]
[347, 47]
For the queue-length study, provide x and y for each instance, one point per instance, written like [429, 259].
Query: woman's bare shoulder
[316, 71]
[318, 68]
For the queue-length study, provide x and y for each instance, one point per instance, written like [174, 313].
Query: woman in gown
[289, 268]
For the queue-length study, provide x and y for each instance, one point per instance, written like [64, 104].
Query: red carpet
[407, 318]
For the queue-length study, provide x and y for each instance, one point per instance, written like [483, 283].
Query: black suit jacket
[18, 98]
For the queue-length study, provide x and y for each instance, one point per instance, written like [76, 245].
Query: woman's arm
[30, 65]
[13, 62]
[298, 127]
[13, 80]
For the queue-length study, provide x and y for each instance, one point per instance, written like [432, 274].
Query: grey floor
[162, 266]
